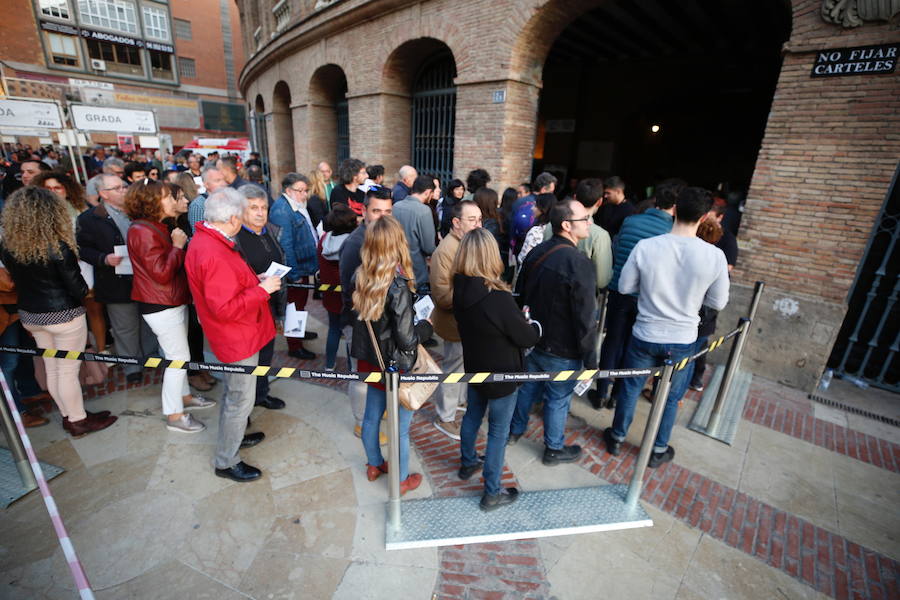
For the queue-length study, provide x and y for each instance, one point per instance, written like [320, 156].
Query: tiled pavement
[754, 520]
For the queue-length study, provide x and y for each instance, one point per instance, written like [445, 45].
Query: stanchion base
[731, 411]
[11, 484]
[449, 521]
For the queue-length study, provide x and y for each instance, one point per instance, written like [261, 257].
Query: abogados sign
[864, 60]
[118, 120]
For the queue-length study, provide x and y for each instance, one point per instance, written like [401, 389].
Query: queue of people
[173, 267]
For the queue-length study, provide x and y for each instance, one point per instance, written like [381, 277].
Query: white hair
[251, 190]
[224, 204]
[207, 173]
[407, 171]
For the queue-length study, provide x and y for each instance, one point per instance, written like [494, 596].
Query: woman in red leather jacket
[160, 288]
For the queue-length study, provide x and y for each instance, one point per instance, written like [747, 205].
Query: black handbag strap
[375, 344]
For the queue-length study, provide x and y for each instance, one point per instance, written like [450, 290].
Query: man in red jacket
[233, 308]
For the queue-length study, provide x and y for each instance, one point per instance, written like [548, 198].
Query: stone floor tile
[334, 490]
[187, 469]
[792, 475]
[368, 542]
[326, 533]
[228, 531]
[867, 505]
[128, 537]
[104, 445]
[719, 571]
[377, 582]
[171, 581]
[293, 577]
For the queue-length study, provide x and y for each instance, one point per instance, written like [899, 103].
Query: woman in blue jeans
[494, 334]
[383, 299]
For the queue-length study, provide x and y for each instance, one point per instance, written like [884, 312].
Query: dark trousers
[298, 296]
[621, 312]
[265, 358]
[195, 337]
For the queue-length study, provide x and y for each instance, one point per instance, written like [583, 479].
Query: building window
[63, 49]
[118, 58]
[161, 65]
[156, 23]
[187, 67]
[111, 14]
[55, 8]
[183, 29]
[282, 12]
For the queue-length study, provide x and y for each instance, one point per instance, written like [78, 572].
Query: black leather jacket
[47, 287]
[398, 339]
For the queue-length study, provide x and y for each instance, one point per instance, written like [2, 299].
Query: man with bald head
[325, 170]
[403, 188]
[213, 180]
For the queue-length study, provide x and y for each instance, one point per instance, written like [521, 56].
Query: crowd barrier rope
[155, 362]
[321, 287]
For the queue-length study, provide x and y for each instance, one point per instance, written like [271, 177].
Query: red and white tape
[81, 581]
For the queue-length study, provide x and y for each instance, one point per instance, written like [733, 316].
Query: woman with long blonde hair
[40, 253]
[383, 296]
[493, 333]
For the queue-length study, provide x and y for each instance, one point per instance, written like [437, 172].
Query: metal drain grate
[854, 410]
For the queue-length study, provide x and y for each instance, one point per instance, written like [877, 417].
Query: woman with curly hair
[71, 193]
[39, 251]
[160, 288]
[383, 298]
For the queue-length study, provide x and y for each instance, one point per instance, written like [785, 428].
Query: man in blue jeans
[673, 275]
[558, 284]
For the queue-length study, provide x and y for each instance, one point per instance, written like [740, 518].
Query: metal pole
[12, 438]
[656, 413]
[392, 386]
[734, 359]
[601, 322]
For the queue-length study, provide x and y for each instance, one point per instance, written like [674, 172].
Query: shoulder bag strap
[375, 344]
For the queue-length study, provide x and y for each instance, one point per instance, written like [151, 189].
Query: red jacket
[232, 308]
[159, 276]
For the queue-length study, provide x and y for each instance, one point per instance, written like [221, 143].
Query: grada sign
[864, 60]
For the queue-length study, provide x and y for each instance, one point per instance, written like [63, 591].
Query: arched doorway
[420, 105]
[282, 132]
[328, 115]
[649, 89]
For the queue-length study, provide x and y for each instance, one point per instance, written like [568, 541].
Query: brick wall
[20, 40]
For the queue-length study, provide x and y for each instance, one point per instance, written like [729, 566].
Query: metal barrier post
[650, 431]
[392, 385]
[601, 321]
[734, 359]
[13, 440]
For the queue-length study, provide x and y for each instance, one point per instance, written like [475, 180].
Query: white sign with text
[120, 120]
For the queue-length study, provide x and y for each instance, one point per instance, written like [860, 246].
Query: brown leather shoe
[373, 473]
[410, 483]
[91, 424]
[209, 378]
[199, 383]
[32, 419]
[97, 415]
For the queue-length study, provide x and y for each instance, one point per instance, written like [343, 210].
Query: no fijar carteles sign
[863, 60]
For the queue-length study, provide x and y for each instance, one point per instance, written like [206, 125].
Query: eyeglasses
[302, 191]
[585, 219]
[117, 188]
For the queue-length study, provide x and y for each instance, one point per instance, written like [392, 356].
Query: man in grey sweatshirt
[674, 274]
[415, 215]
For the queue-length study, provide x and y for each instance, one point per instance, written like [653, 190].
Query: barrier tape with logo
[322, 287]
[374, 377]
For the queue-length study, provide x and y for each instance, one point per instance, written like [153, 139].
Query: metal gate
[260, 140]
[434, 117]
[343, 130]
[868, 345]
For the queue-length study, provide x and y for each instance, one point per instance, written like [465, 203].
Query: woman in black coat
[494, 334]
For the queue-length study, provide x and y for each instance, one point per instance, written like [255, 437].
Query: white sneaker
[186, 424]
[450, 428]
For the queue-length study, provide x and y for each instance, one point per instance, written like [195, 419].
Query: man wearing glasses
[466, 216]
[559, 285]
[99, 230]
[298, 239]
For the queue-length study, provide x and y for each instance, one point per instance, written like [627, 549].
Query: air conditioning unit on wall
[98, 65]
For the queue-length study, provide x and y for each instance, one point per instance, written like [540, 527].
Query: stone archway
[399, 77]
[281, 133]
[327, 116]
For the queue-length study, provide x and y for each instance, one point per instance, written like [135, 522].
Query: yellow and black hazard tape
[322, 287]
[155, 362]
[301, 373]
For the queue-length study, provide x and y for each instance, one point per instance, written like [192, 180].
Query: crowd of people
[174, 262]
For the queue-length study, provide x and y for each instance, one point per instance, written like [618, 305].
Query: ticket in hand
[276, 270]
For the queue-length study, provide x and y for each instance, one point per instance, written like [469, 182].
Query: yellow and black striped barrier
[155, 362]
[322, 287]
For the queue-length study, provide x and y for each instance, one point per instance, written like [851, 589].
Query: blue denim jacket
[296, 239]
